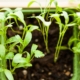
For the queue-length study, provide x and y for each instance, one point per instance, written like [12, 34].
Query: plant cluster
[13, 48]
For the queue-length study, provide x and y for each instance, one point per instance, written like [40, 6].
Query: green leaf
[15, 38]
[12, 47]
[65, 14]
[71, 24]
[24, 65]
[57, 17]
[33, 49]
[27, 39]
[31, 2]
[2, 50]
[18, 58]
[28, 58]
[62, 47]
[34, 1]
[71, 41]
[78, 14]
[17, 9]
[17, 15]
[2, 16]
[78, 45]
[20, 15]
[46, 23]
[7, 9]
[8, 74]
[28, 64]
[76, 50]
[10, 24]
[10, 55]
[32, 28]
[38, 54]
[10, 16]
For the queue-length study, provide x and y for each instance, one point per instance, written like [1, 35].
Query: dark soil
[45, 68]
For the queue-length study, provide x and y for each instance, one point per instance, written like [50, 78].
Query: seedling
[8, 46]
[43, 24]
[63, 27]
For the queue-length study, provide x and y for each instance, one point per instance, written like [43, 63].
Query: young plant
[43, 20]
[13, 48]
[63, 27]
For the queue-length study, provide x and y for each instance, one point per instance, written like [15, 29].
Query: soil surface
[45, 68]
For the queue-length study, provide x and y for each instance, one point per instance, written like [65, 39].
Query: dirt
[45, 68]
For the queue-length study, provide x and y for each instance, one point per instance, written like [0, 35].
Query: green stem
[2, 65]
[76, 59]
[3, 60]
[60, 42]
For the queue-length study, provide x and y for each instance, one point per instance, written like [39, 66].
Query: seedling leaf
[33, 49]
[71, 41]
[15, 38]
[24, 65]
[27, 39]
[38, 54]
[46, 23]
[20, 16]
[62, 47]
[57, 17]
[31, 2]
[34, 1]
[76, 50]
[7, 9]
[28, 57]
[65, 14]
[18, 58]
[32, 28]
[10, 55]
[71, 24]
[2, 16]
[8, 74]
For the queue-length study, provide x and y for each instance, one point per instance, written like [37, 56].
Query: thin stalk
[2, 65]
[3, 60]
[76, 59]
[58, 48]
[47, 29]
[60, 43]
[44, 31]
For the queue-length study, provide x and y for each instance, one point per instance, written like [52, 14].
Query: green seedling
[63, 27]
[43, 20]
[8, 46]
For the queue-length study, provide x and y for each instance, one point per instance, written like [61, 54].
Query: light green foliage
[27, 39]
[76, 48]
[7, 45]
[38, 54]
[16, 39]
[8, 74]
